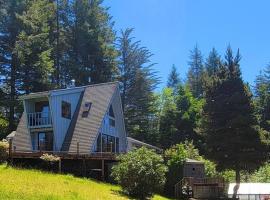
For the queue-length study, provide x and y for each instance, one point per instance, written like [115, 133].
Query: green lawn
[33, 184]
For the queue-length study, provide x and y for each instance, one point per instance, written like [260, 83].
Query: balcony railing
[39, 120]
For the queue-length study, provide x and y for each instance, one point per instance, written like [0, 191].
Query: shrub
[176, 157]
[3, 151]
[3, 127]
[140, 173]
[50, 160]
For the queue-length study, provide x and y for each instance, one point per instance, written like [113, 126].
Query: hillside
[32, 184]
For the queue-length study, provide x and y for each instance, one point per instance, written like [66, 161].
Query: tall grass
[21, 184]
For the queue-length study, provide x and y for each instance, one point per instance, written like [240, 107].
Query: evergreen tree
[173, 79]
[138, 82]
[34, 48]
[168, 119]
[232, 137]
[195, 73]
[212, 62]
[61, 37]
[93, 55]
[10, 27]
[262, 98]
[179, 117]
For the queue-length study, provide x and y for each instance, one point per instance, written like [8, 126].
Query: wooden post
[84, 167]
[10, 148]
[60, 166]
[102, 170]
[78, 148]
[39, 144]
[10, 151]
[111, 147]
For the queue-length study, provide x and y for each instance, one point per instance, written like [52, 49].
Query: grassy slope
[32, 184]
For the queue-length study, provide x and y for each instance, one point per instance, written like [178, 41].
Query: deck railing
[39, 119]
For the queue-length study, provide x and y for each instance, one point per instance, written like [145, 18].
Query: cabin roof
[62, 91]
[250, 188]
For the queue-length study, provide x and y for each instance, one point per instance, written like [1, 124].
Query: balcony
[39, 120]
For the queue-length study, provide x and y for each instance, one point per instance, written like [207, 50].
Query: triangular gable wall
[119, 120]
[22, 140]
[86, 128]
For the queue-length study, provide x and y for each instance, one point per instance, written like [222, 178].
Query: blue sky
[171, 28]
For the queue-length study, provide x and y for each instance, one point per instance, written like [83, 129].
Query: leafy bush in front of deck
[140, 173]
[49, 158]
[3, 151]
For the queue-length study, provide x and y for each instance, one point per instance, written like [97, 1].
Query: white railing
[39, 119]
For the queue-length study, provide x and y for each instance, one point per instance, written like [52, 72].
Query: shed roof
[194, 161]
[251, 188]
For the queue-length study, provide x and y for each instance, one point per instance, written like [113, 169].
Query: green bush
[140, 173]
[3, 127]
[176, 157]
[3, 151]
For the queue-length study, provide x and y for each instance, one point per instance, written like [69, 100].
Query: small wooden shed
[193, 168]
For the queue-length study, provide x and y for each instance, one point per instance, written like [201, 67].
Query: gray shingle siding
[86, 129]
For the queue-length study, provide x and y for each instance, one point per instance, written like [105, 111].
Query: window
[41, 141]
[117, 145]
[112, 122]
[111, 113]
[111, 117]
[109, 143]
[66, 110]
[86, 109]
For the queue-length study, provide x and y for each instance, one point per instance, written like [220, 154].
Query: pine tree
[180, 115]
[93, 55]
[262, 98]
[168, 118]
[34, 47]
[212, 62]
[10, 27]
[173, 79]
[61, 35]
[137, 81]
[232, 137]
[195, 73]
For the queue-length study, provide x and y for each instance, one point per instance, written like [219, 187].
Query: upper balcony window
[66, 110]
[42, 106]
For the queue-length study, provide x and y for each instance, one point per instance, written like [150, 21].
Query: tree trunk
[12, 95]
[237, 181]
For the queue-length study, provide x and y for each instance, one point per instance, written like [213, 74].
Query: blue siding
[60, 124]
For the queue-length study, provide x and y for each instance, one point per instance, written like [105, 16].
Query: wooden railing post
[102, 170]
[60, 166]
[10, 148]
[78, 148]
[111, 147]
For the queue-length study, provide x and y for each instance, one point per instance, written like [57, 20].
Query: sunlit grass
[24, 184]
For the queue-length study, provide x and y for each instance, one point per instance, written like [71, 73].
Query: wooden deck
[65, 155]
[99, 157]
